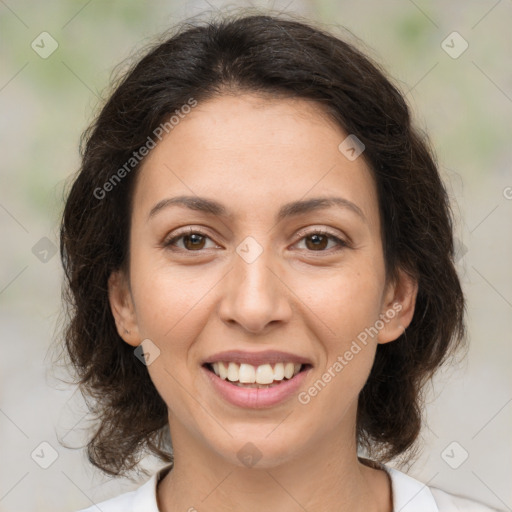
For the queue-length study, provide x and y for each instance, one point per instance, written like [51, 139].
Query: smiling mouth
[262, 376]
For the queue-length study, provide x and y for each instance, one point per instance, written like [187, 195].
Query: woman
[259, 258]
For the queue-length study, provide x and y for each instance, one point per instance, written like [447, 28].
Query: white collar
[409, 494]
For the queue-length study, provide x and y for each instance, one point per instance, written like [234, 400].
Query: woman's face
[287, 267]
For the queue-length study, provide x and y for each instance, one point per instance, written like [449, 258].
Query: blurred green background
[463, 101]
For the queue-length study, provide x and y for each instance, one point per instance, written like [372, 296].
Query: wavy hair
[282, 57]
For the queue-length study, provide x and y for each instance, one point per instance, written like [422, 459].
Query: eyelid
[318, 230]
[179, 233]
[324, 231]
[341, 241]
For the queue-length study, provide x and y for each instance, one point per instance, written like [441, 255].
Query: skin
[194, 299]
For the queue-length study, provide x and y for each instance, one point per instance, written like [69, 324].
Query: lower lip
[256, 398]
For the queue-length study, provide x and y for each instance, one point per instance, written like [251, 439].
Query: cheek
[171, 309]
[350, 312]
[347, 300]
[336, 389]
[169, 300]
[348, 304]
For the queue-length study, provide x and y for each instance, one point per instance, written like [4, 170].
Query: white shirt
[409, 495]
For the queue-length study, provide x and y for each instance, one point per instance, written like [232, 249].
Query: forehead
[250, 152]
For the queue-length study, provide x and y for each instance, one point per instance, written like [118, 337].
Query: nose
[255, 295]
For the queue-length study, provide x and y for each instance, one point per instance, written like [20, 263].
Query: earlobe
[398, 307]
[121, 305]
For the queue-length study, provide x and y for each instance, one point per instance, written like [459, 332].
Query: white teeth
[223, 370]
[279, 371]
[264, 374]
[288, 370]
[249, 374]
[233, 372]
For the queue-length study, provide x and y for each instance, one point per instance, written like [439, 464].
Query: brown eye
[194, 241]
[318, 241]
[191, 241]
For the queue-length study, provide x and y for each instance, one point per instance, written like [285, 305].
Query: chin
[256, 449]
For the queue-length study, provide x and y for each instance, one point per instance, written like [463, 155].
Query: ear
[398, 307]
[123, 310]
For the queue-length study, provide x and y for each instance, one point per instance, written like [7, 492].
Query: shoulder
[448, 502]
[121, 503]
[411, 495]
[142, 499]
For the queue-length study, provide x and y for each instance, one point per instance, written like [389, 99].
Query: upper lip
[256, 358]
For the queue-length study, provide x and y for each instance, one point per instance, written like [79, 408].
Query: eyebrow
[292, 209]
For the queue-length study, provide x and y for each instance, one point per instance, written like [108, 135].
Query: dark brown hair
[282, 57]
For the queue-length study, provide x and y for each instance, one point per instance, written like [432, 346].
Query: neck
[327, 477]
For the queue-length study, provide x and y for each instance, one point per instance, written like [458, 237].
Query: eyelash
[341, 243]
